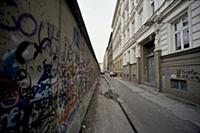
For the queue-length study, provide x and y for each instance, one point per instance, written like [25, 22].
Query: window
[128, 33]
[128, 58]
[132, 4]
[124, 39]
[140, 21]
[181, 33]
[179, 84]
[127, 7]
[133, 28]
[134, 54]
[124, 58]
[152, 6]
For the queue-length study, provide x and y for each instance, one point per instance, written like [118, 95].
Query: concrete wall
[184, 67]
[46, 66]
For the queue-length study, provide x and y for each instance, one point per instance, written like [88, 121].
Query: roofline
[109, 42]
[116, 8]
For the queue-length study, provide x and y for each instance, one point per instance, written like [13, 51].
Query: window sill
[182, 52]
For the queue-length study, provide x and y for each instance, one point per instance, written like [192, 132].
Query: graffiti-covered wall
[46, 66]
[181, 75]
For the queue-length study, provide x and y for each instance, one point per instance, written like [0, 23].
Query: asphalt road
[147, 116]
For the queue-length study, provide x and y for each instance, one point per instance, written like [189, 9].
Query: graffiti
[9, 67]
[17, 24]
[47, 72]
[25, 52]
[28, 51]
[189, 75]
[49, 30]
[13, 105]
[42, 92]
[42, 81]
[72, 81]
[11, 117]
[9, 95]
[11, 2]
[76, 37]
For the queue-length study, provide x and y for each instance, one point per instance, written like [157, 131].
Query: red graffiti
[9, 95]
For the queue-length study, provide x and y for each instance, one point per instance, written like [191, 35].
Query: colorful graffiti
[42, 79]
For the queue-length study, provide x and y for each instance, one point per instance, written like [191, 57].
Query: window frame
[140, 14]
[134, 53]
[178, 84]
[152, 4]
[175, 20]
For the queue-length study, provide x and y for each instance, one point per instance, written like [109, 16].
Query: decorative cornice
[117, 57]
[115, 12]
[180, 53]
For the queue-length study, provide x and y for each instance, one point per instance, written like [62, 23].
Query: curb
[120, 103]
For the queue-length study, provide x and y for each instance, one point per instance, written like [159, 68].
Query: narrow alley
[148, 112]
[99, 66]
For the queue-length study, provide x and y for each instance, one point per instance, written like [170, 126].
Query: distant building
[105, 61]
[110, 54]
[117, 40]
[158, 42]
[101, 67]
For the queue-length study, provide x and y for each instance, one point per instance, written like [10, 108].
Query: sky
[97, 15]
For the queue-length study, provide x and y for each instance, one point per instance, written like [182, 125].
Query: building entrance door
[149, 63]
[151, 70]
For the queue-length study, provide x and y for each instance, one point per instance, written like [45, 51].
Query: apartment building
[105, 61]
[117, 40]
[159, 44]
[109, 51]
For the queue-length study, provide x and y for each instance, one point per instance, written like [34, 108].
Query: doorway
[149, 63]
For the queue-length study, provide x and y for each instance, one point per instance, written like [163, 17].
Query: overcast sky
[98, 15]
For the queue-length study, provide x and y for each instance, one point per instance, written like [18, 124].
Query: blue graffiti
[47, 68]
[9, 68]
[17, 24]
[11, 2]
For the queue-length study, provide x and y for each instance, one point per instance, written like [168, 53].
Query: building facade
[159, 42]
[105, 61]
[117, 40]
[109, 50]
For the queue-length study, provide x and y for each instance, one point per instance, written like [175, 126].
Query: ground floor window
[179, 84]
